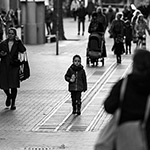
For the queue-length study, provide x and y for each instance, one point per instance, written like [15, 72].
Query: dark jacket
[95, 27]
[81, 13]
[135, 99]
[128, 33]
[9, 71]
[102, 19]
[117, 28]
[80, 83]
[90, 7]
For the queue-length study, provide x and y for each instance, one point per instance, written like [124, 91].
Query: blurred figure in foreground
[136, 92]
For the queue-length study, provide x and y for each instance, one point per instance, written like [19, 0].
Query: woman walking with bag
[136, 93]
[9, 66]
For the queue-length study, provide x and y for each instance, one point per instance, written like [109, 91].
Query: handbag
[128, 136]
[24, 72]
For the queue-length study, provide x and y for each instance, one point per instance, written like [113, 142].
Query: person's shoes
[78, 33]
[8, 101]
[13, 108]
[73, 112]
[78, 112]
[82, 34]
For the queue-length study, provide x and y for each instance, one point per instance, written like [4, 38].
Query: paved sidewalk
[39, 95]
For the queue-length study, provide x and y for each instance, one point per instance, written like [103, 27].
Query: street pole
[57, 28]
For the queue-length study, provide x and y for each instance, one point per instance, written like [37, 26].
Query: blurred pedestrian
[9, 74]
[133, 22]
[48, 19]
[10, 20]
[2, 26]
[90, 8]
[110, 15]
[117, 31]
[73, 8]
[128, 36]
[95, 26]
[101, 17]
[81, 13]
[76, 77]
[118, 47]
[141, 27]
[126, 13]
[136, 93]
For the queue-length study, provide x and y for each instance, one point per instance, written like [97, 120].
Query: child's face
[77, 61]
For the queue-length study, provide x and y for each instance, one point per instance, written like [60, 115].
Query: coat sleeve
[89, 28]
[68, 75]
[21, 47]
[112, 101]
[84, 81]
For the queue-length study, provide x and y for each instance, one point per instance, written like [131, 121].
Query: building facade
[9, 4]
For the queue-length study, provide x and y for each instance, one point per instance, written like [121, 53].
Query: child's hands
[72, 78]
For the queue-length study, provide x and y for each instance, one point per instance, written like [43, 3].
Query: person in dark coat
[90, 8]
[76, 77]
[97, 27]
[136, 93]
[118, 48]
[9, 66]
[48, 19]
[117, 31]
[101, 17]
[81, 13]
[128, 36]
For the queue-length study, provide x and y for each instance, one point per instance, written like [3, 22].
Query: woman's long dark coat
[9, 74]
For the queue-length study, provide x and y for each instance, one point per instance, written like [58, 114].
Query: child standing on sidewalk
[76, 77]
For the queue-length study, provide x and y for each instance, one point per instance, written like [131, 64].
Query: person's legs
[144, 42]
[79, 22]
[13, 96]
[48, 28]
[78, 98]
[83, 27]
[73, 97]
[8, 100]
[118, 57]
[130, 48]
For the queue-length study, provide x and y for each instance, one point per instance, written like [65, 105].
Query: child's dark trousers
[76, 101]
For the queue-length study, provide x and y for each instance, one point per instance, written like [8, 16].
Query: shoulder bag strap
[122, 92]
[147, 111]
[123, 88]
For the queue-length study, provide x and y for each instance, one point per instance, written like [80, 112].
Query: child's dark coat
[80, 83]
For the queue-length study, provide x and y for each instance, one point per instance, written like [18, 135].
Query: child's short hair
[76, 56]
